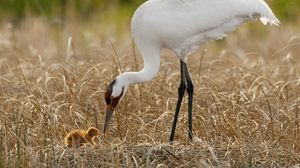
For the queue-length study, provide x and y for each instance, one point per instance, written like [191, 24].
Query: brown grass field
[246, 103]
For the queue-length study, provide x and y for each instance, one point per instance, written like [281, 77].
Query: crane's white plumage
[182, 26]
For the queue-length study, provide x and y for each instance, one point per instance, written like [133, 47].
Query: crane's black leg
[190, 91]
[181, 90]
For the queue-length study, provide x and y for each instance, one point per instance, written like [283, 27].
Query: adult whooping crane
[182, 26]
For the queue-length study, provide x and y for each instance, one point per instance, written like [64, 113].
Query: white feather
[183, 25]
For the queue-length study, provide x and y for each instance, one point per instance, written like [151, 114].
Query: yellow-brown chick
[79, 137]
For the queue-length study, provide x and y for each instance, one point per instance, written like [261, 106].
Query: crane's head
[114, 93]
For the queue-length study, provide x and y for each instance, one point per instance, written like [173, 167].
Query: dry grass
[246, 108]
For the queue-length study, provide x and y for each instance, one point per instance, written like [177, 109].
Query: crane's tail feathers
[271, 21]
[266, 14]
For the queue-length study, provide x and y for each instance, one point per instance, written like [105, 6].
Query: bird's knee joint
[190, 87]
[181, 87]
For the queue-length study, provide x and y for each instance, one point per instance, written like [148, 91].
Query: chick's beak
[109, 112]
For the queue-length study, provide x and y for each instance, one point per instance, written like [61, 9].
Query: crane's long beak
[109, 112]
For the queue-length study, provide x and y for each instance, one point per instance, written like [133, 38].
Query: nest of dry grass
[194, 154]
[246, 104]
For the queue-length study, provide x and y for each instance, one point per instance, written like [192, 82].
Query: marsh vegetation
[53, 77]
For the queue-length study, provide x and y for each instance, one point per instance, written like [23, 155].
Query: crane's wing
[183, 25]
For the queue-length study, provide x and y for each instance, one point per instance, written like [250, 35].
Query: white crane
[182, 26]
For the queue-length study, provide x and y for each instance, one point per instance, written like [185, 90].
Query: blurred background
[58, 11]
[104, 19]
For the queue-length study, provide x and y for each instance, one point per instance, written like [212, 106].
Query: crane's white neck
[151, 67]
[151, 57]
